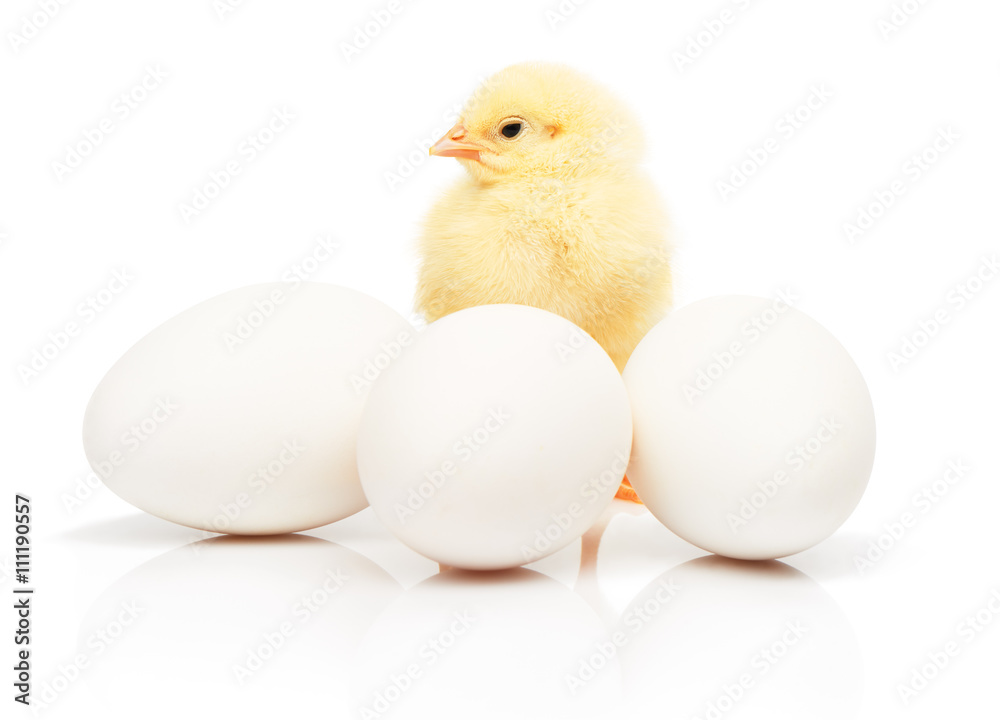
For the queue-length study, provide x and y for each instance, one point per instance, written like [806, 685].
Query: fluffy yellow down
[560, 218]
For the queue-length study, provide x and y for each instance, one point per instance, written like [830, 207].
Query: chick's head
[540, 119]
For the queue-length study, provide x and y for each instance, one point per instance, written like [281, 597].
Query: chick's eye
[511, 130]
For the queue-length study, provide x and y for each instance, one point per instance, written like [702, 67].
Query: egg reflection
[719, 638]
[236, 626]
[484, 645]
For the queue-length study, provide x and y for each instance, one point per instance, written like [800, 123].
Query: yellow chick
[555, 211]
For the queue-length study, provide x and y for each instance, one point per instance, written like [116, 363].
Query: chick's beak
[454, 144]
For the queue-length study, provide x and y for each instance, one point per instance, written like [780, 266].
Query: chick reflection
[237, 624]
[484, 645]
[716, 638]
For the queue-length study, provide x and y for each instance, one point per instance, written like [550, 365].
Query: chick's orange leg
[625, 492]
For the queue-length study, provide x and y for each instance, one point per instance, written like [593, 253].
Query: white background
[357, 119]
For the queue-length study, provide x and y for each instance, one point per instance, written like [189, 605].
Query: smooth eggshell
[754, 429]
[240, 414]
[497, 439]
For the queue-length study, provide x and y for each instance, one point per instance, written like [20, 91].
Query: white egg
[497, 439]
[754, 429]
[240, 415]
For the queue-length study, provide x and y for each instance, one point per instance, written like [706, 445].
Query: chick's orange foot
[625, 492]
